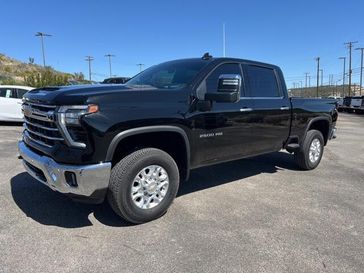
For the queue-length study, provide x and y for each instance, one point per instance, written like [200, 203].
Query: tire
[143, 163]
[303, 158]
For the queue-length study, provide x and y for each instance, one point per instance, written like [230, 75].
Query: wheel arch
[117, 141]
[321, 124]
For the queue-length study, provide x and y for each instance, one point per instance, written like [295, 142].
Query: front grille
[40, 124]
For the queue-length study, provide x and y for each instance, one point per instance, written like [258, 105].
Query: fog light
[71, 179]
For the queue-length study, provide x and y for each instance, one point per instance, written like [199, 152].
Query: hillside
[13, 71]
[325, 91]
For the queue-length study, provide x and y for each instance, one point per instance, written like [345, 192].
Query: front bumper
[89, 182]
[333, 133]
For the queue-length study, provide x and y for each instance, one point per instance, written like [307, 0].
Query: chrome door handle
[246, 109]
[284, 108]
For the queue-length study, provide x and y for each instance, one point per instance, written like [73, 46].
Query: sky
[290, 34]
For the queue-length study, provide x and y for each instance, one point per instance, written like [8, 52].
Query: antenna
[223, 40]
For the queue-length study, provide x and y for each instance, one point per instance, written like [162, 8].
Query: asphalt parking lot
[251, 215]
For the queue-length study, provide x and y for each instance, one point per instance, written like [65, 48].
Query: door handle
[246, 109]
[284, 108]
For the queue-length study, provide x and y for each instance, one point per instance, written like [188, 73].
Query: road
[251, 215]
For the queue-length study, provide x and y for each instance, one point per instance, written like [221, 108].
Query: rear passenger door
[271, 107]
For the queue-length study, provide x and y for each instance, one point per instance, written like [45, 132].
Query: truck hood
[73, 95]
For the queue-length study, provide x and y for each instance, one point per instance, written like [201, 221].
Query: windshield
[170, 75]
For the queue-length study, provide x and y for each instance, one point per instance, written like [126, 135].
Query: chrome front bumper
[88, 180]
[333, 133]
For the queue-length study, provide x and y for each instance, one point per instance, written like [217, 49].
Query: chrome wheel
[149, 187]
[315, 150]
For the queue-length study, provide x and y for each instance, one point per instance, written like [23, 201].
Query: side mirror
[228, 89]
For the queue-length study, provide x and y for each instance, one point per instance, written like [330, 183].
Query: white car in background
[356, 103]
[10, 102]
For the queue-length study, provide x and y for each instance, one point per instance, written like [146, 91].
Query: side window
[6, 92]
[261, 81]
[21, 93]
[213, 79]
[2, 92]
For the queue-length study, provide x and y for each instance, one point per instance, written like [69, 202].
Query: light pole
[361, 67]
[41, 35]
[109, 56]
[343, 58]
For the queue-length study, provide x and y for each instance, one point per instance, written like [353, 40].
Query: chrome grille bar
[42, 135]
[40, 126]
[36, 140]
[41, 105]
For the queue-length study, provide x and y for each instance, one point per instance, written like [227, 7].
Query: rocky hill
[13, 71]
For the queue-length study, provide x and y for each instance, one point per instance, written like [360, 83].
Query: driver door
[223, 132]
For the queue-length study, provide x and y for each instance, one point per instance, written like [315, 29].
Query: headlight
[70, 116]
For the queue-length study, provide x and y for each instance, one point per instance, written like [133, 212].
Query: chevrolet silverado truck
[132, 144]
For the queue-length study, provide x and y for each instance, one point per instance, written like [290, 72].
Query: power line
[89, 59]
[42, 35]
[109, 56]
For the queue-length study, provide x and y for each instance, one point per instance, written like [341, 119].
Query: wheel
[310, 155]
[143, 185]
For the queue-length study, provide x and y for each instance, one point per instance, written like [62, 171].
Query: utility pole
[223, 40]
[343, 58]
[361, 67]
[140, 67]
[350, 46]
[318, 76]
[42, 35]
[322, 77]
[89, 59]
[309, 81]
[110, 56]
[306, 76]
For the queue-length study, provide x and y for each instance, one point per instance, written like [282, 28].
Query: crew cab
[134, 143]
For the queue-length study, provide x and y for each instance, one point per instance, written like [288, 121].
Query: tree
[45, 77]
[79, 76]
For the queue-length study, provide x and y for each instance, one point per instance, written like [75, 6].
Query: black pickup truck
[134, 143]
